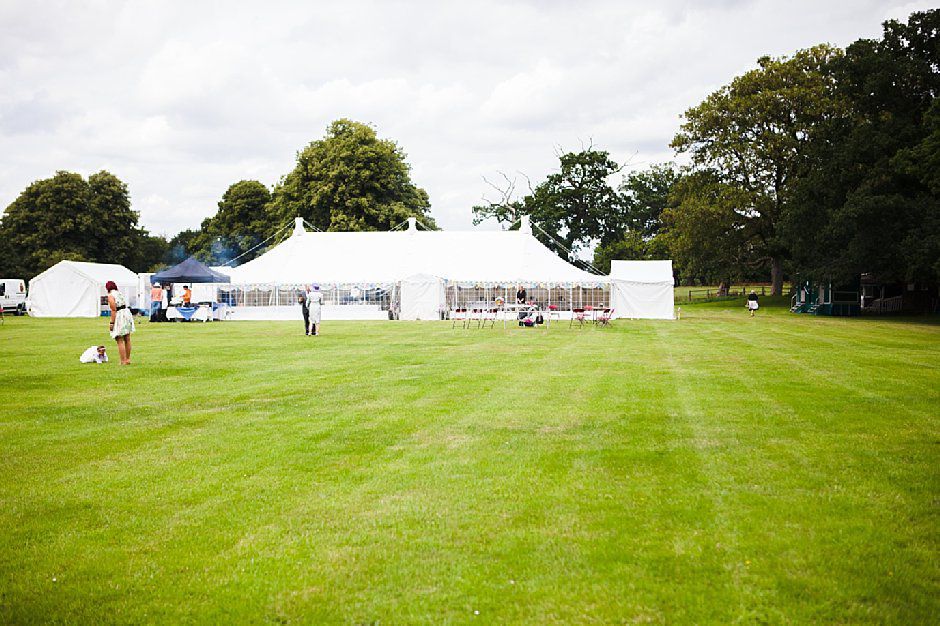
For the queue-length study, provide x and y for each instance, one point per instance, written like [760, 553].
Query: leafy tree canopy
[575, 205]
[350, 180]
[242, 222]
[69, 218]
[645, 194]
[753, 135]
[870, 203]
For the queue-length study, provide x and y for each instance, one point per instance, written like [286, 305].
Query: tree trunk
[776, 277]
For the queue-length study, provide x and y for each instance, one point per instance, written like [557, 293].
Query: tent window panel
[565, 297]
[232, 296]
[257, 297]
[538, 295]
[560, 297]
[287, 296]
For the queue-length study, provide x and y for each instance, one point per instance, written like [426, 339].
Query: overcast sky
[182, 99]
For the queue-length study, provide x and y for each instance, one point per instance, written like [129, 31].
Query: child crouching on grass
[94, 354]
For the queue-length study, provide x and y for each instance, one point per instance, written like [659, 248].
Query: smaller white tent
[75, 289]
[642, 289]
[421, 297]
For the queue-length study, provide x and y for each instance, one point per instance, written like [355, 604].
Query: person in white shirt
[94, 354]
[314, 303]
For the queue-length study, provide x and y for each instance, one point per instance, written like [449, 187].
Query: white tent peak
[299, 226]
[525, 227]
[99, 272]
[391, 256]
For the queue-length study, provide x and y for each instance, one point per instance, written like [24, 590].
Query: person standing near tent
[156, 302]
[752, 302]
[164, 303]
[302, 301]
[187, 295]
[121, 323]
[520, 295]
[314, 302]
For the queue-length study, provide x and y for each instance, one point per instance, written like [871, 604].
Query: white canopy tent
[422, 263]
[75, 289]
[642, 289]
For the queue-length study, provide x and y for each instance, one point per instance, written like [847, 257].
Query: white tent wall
[642, 289]
[642, 300]
[422, 297]
[75, 289]
[63, 292]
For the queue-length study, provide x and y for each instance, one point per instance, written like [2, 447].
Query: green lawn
[715, 469]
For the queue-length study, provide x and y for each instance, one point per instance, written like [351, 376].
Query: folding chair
[604, 318]
[553, 312]
[489, 315]
[577, 315]
[459, 313]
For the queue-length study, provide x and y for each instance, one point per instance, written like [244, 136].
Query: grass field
[715, 469]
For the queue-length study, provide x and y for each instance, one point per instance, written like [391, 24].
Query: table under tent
[410, 274]
[205, 305]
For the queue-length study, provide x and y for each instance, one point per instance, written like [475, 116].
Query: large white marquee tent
[416, 275]
[75, 289]
[423, 266]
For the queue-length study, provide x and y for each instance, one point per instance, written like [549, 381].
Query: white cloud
[182, 99]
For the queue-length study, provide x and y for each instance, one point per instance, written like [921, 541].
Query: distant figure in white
[94, 354]
[314, 303]
[752, 302]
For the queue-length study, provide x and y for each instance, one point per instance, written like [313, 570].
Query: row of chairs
[589, 314]
[467, 315]
[488, 315]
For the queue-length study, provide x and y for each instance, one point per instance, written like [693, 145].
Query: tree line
[825, 163]
[349, 180]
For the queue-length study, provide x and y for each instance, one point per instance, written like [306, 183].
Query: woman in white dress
[121, 323]
[314, 303]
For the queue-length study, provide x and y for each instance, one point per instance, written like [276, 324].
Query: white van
[13, 295]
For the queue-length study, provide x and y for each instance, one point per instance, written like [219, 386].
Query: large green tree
[705, 232]
[644, 195]
[68, 217]
[870, 203]
[242, 222]
[753, 135]
[571, 208]
[350, 180]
